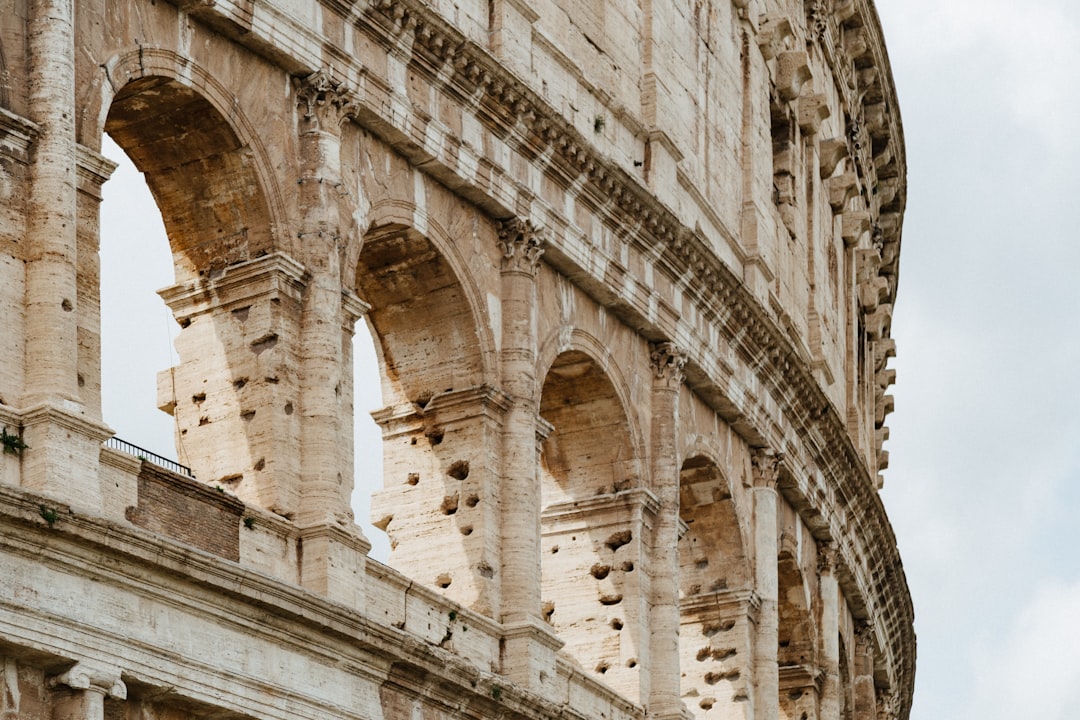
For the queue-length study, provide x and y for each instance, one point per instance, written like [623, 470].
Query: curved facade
[630, 269]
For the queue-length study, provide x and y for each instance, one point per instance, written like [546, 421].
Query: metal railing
[143, 454]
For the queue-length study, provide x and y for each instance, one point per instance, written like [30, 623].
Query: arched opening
[440, 421]
[714, 635]
[594, 523]
[367, 437]
[226, 396]
[797, 638]
[137, 329]
[201, 175]
[847, 685]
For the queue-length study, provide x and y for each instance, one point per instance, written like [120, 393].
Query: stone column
[81, 692]
[325, 485]
[830, 632]
[667, 362]
[529, 641]
[865, 705]
[64, 445]
[766, 470]
[51, 284]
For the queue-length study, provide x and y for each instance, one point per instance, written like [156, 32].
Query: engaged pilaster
[63, 442]
[766, 472]
[530, 655]
[830, 632]
[81, 691]
[323, 106]
[667, 362]
[865, 705]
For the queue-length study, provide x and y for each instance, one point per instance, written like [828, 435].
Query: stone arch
[442, 415]
[712, 557]
[846, 689]
[596, 515]
[714, 578]
[566, 339]
[409, 276]
[237, 299]
[796, 636]
[200, 156]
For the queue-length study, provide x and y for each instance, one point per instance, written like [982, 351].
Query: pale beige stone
[630, 268]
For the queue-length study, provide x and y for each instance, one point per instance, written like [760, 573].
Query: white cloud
[1037, 672]
[1025, 54]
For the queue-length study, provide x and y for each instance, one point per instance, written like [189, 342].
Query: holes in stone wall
[711, 678]
[459, 470]
[264, 343]
[450, 504]
[611, 599]
[627, 566]
[616, 624]
[412, 479]
[466, 530]
[600, 571]
[247, 415]
[472, 500]
[718, 654]
[444, 580]
[631, 663]
[547, 609]
[617, 540]
[435, 435]
[706, 703]
[602, 666]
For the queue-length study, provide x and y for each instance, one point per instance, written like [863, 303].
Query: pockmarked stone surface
[630, 270]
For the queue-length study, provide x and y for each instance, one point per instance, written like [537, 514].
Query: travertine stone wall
[630, 269]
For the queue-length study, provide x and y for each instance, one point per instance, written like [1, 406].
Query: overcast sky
[983, 484]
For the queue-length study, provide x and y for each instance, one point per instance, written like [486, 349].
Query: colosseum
[629, 266]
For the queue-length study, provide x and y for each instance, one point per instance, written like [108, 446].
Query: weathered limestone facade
[630, 268]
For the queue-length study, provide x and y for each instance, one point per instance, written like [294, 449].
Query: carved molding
[668, 362]
[522, 244]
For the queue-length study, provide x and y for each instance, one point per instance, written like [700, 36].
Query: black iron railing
[143, 454]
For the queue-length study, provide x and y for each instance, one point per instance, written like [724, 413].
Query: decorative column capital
[325, 102]
[826, 558]
[83, 676]
[521, 244]
[766, 467]
[668, 362]
[864, 640]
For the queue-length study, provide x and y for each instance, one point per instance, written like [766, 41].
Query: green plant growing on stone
[48, 514]
[249, 523]
[13, 444]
